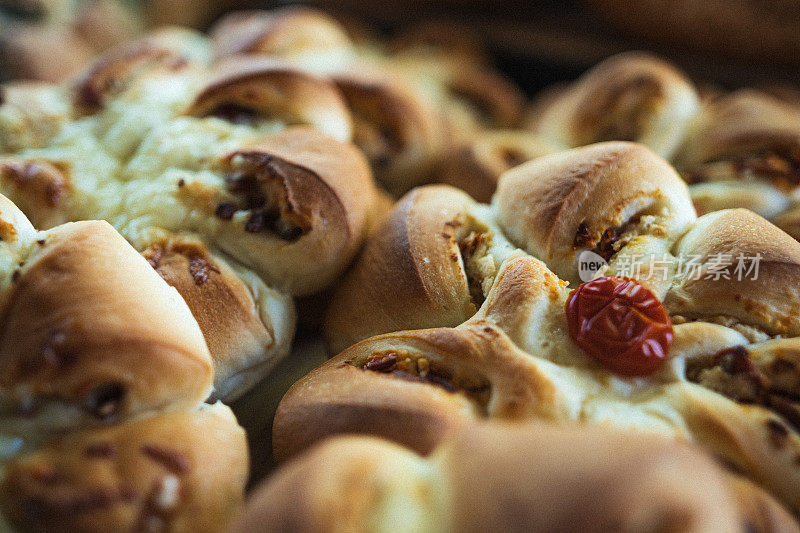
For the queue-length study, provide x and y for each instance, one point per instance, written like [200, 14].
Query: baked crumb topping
[734, 373]
[779, 166]
[260, 190]
[411, 366]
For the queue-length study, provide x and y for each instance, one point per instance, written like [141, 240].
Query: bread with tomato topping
[511, 476]
[616, 199]
[723, 383]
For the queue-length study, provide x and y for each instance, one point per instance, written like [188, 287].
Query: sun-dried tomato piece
[621, 323]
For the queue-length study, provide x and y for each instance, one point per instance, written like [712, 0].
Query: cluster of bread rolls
[427, 106]
[504, 477]
[492, 281]
[740, 149]
[51, 40]
[104, 374]
[239, 168]
[235, 179]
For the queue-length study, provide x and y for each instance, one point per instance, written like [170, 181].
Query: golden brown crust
[583, 479]
[628, 97]
[289, 33]
[383, 206]
[400, 133]
[327, 489]
[496, 476]
[166, 50]
[177, 472]
[759, 510]
[741, 122]
[494, 100]
[748, 437]
[476, 166]
[730, 388]
[246, 336]
[410, 273]
[789, 221]
[40, 188]
[744, 151]
[556, 205]
[768, 297]
[296, 209]
[74, 351]
[445, 377]
[262, 88]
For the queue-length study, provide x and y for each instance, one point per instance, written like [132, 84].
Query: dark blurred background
[731, 43]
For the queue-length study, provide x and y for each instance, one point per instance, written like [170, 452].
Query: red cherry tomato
[621, 323]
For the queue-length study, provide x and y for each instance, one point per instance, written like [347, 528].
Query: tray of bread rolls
[294, 274]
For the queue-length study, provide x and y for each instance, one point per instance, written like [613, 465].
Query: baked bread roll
[725, 329]
[475, 167]
[162, 52]
[248, 326]
[51, 40]
[617, 199]
[743, 151]
[450, 62]
[725, 384]
[173, 472]
[789, 221]
[398, 129]
[511, 477]
[75, 352]
[767, 301]
[303, 36]
[472, 95]
[601, 197]
[409, 104]
[39, 188]
[41, 53]
[301, 203]
[429, 263]
[628, 97]
[244, 90]
[204, 171]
